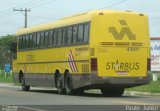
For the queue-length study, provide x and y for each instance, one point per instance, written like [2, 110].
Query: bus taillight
[93, 64]
[148, 64]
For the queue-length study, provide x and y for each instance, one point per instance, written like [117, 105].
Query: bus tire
[68, 84]
[60, 88]
[113, 91]
[79, 92]
[23, 84]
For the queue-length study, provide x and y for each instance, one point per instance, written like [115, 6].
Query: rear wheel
[24, 86]
[113, 91]
[60, 88]
[79, 92]
[68, 84]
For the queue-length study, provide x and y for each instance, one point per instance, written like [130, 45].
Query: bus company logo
[124, 31]
[30, 57]
[71, 62]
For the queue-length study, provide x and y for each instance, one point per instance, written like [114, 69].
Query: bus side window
[69, 36]
[80, 34]
[20, 42]
[55, 38]
[24, 42]
[34, 40]
[27, 42]
[75, 32]
[42, 39]
[46, 38]
[38, 39]
[59, 42]
[64, 35]
[50, 38]
[30, 41]
[86, 33]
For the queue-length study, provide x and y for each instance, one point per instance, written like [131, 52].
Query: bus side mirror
[13, 47]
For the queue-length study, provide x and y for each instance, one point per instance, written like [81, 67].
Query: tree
[5, 53]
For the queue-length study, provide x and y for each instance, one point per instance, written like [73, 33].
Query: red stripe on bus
[70, 64]
[74, 62]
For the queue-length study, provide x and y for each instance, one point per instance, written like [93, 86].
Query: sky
[43, 11]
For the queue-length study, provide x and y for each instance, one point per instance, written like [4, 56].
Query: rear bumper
[120, 80]
[90, 81]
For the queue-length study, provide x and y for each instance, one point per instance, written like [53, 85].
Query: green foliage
[8, 79]
[158, 77]
[5, 53]
[153, 87]
[6, 40]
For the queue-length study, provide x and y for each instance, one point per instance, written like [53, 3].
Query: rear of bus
[120, 47]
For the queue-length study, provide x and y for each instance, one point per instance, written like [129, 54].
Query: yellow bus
[101, 49]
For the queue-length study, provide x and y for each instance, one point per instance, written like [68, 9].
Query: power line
[7, 15]
[8, 12]
[22, 5]
[30, 3]
[33, 3]
[9, 9]
[114, 4]
[91, 8]
[43, 4]
[111, 3]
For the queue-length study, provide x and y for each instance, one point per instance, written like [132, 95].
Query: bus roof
[75, 19]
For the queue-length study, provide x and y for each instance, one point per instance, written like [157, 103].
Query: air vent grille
[107, 43]
[85, 68]
[122, 44]
[136, 44]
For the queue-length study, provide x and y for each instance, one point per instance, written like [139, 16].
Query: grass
[158, 77]
[8, 79]
[153, 87]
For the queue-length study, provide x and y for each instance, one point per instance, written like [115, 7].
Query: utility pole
[24, 10]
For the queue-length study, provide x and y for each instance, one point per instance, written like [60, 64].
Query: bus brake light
[148, 64]
[93, 64]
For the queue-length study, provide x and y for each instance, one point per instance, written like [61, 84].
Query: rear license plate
[122, 72]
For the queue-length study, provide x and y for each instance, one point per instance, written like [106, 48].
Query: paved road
[38, 96]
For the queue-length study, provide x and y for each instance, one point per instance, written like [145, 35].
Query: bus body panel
[120, 27]
[39, 66]
[120, 62]
[47, 60]
[121, 44]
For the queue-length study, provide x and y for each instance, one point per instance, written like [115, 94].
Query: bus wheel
[23, 84]
[60, 88]
[68, 84]
[79, 91]
[113, 91]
